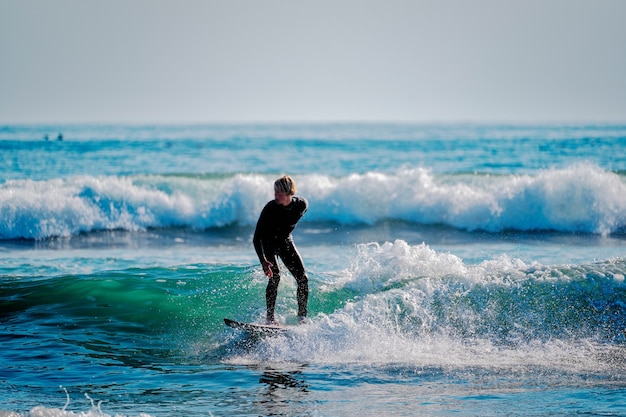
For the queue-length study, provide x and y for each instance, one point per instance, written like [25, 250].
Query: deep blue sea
[455, 270]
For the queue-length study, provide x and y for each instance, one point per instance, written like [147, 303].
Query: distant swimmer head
[285, 185]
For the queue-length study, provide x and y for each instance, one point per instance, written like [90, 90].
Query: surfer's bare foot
[272, 322]
[303, 320]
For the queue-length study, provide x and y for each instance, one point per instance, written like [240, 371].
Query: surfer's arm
[257, 241]
[302, 204]
[267, 265]
[258, 247]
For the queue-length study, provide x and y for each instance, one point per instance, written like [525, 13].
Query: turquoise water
[454, 270]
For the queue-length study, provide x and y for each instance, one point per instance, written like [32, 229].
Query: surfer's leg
[293, 261]
[271, 291]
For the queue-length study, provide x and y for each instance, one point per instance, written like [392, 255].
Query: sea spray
[416, 306]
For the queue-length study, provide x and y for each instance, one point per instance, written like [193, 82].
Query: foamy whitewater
[454, 270]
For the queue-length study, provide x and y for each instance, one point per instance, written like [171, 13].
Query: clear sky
[155, 61]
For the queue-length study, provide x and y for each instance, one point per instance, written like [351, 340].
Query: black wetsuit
[272, 238]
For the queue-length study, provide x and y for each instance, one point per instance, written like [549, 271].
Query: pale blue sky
[154, 61]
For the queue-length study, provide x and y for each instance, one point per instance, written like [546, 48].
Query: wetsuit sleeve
[260, 232]
[304, 205]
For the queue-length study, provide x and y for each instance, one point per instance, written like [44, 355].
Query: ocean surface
[455, 270]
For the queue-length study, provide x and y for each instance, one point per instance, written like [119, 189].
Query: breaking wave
[581, 198]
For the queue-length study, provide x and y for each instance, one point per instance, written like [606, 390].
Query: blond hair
[285, 185]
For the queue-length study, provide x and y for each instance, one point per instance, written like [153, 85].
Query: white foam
[43, 411]
[581, 198]
[413, 305]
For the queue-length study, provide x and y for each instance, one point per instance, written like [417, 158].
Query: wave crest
[582, 198]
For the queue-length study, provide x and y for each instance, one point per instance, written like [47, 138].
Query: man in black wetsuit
[272, 238]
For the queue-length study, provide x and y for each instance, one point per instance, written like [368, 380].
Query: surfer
[272, 239]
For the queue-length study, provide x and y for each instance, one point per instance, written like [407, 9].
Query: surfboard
[256, 328]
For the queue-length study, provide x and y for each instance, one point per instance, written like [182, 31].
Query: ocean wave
[395, 303]
[410, 303]
[503, 298]
[405, 303]
[409, 312]
[581, 198]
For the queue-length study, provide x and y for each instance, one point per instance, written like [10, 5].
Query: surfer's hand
[267, 269]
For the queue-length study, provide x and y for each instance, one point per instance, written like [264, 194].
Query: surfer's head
[285, 185]
[284, 188]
